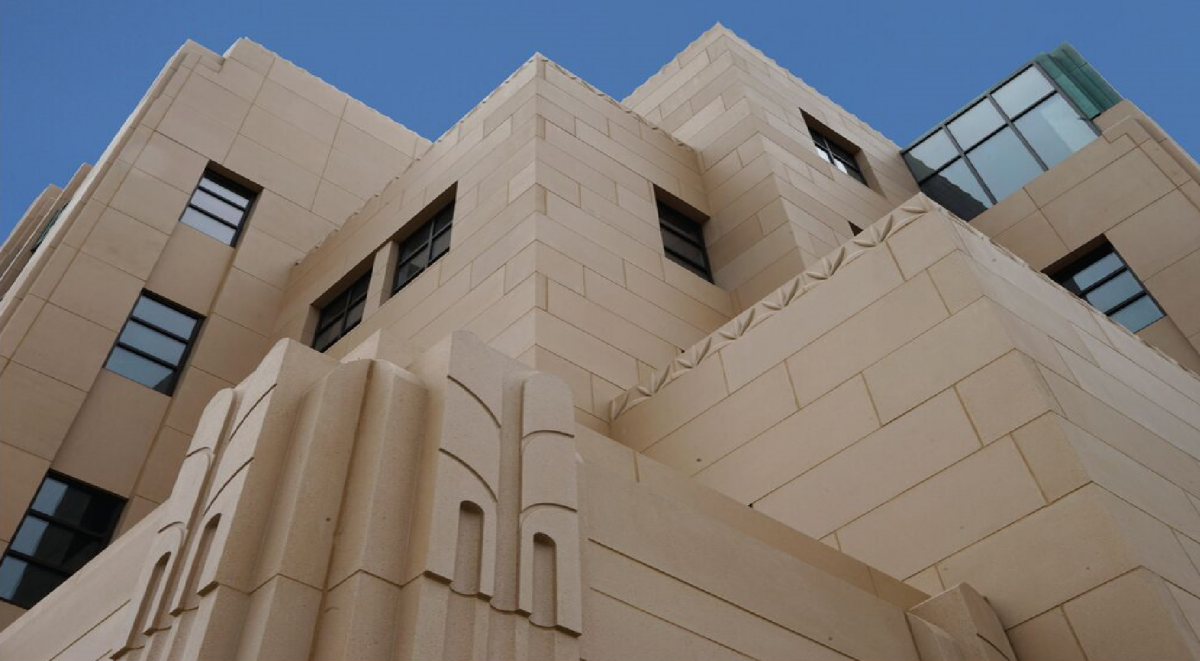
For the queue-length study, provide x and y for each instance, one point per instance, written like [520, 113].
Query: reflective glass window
[957, 189]
[1022, 91]
[1139, 314]
[839, 157]
[932, 153]
[683, 241]
[218, 207]
[1055, 130]
[153, 344]
[67, 525]
[975, 124]
[1103, 279]
[340, 315]
[424, 246]
[1011, 135]
[1004, 163]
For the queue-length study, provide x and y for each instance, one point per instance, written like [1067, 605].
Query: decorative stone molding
[777, 300]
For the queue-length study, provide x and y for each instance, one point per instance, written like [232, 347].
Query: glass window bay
[218, 208]
[998, 144]
[154, 344]
[67, 525]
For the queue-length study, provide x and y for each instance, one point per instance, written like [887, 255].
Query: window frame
[703, 270]
[347, 301]
[105, 538]
[188, 343]
[428, 233]
[1009, 122]
[227, 182]
[1064, 277]
[829, 151]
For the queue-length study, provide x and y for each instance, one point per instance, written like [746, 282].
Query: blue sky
[71, 71]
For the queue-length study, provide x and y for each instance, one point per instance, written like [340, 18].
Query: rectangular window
[999, 144]
[218, 207]
[839, 157]
[424, 247]
[154, 343]
[67, 525]
[1103, 279]
[683, 241]
[342, 314]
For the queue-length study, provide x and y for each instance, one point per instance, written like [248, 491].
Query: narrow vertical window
[218, 207]
[683, 241]
[340, 315]
[423, 247]
[1105, 281]
[67, 525]
[154, 343]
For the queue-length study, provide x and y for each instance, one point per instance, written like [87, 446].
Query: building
[698, 374]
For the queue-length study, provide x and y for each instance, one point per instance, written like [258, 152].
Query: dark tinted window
[424, 247]
[218, 207]
[683, 241]
[1103, 279]
[67, 525]
[342, 314]
[154, 344]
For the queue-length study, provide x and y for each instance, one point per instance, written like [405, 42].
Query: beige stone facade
[879, 432]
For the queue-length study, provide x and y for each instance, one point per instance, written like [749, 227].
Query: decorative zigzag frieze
[773, 303]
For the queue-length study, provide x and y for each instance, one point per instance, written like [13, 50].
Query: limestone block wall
[776, 205]
[927, 403]
[1135, 187]
[28, 237]
[314, 151]
[23, 233]
[556, 255]
[358, 510]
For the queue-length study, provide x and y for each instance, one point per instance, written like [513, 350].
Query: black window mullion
[336, 312]
[49, 518]
[673, 224]
[1013, 124]
[147, 356]
[168, 383]
[1102, 281]
[219, 196]
[98, 503]
[1125, 303]
[159, 329]
[970, 166]
[224, 222]
[693, 239]
[52, 568]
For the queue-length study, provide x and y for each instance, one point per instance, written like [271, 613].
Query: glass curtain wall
[998, 144]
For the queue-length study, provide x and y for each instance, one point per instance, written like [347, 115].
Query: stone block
[948, 512]
[948, 352]
[876, 469]
[1132, 616]
[38, 410]
[792, 447]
